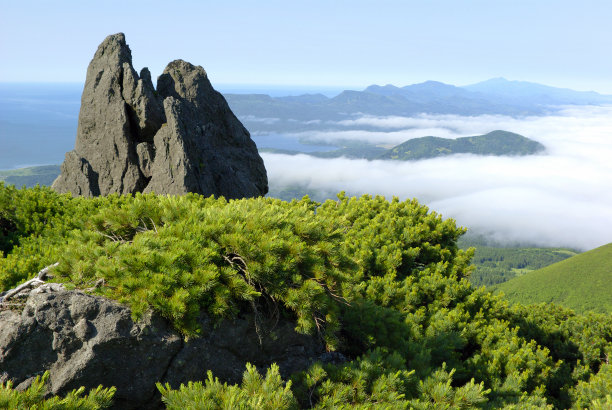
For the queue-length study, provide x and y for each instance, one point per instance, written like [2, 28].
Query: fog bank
[560, 198]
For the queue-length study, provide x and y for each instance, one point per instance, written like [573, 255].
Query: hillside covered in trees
[496, 143]
[380, 282]
[493, 263]
[493, 143]
[582, 283]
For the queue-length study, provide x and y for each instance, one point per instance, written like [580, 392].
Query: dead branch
[99, 283]
[319, 322]
[154, 227]
[236, 261]
[32, 283]
[44, 272]
[329, 291]
[114, 238]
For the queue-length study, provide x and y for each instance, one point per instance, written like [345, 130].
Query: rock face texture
[180, 138]
[85, 340]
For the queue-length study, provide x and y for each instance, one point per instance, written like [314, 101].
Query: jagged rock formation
[181, 138]
[86, 340]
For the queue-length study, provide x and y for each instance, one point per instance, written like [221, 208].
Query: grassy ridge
[582, 282]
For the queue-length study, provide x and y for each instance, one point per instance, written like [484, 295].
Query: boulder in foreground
[86, 340]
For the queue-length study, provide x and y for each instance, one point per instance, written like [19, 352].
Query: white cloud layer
[560, 198]
[268, 121]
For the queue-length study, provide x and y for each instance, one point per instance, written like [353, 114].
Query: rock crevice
[180, 138]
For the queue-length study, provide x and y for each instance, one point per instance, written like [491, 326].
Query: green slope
[497, 264]
[30, 176]
[494, 143]
[582, 282]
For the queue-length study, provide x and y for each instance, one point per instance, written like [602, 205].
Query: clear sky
[350, 43]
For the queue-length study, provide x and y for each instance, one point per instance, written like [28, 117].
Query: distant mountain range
[514, 92]
[495, 96]
[500, 91]
[45, 116]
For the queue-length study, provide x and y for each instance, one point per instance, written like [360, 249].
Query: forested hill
[498, 143]
[494, 143]
[381, 283]
[496, 263]
[582, 282]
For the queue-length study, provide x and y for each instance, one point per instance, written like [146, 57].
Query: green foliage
[190, 253]
[394, 239]
[24, 212]
[581, 282]
[437, 392]
[381, 380]
[34, 226]
[595, 392]
[373, 379]
[382, 282]
[33, 397]
[255, 392]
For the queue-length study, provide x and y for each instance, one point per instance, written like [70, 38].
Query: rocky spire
[182, 138]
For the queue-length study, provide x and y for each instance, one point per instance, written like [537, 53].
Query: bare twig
[29, 284]
[44, 272]
[32, 283]
[334, 296]
[319, 322]
[113, 237]
[236, 260]
[143, 228]
[154, 227]
[257, 321]
[99, 283]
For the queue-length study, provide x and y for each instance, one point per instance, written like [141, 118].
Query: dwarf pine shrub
[383, 282]
[34, 397]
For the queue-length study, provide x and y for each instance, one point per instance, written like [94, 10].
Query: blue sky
[320, 42]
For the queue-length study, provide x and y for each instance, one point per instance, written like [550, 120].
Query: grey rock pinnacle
[181, 138]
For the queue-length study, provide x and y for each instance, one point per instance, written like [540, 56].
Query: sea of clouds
[562, 197]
